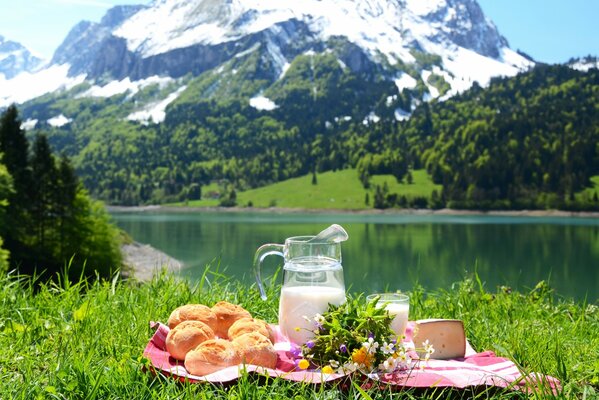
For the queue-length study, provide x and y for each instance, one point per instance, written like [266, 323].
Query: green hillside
[333, 190]
[527, 141]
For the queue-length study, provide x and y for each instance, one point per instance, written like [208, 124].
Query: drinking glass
[398, 306]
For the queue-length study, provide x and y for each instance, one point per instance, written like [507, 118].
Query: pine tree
[14, 149]
[43, 192]
[64, 200]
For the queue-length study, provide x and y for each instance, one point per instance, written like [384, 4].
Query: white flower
[401, 355]
[389, 365]
[388, 348]
[350, 366]
[319, 319]
[428, 348]
[370, 345]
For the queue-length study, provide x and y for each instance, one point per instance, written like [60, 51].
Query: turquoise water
[390, 252]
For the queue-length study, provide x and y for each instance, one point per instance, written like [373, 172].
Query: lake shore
[280, 210]
[144, 261]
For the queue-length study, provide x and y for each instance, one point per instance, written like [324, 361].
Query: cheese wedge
[446, 335]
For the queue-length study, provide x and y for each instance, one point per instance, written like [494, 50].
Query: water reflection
[392, 251]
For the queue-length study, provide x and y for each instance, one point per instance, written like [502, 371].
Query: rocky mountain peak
[16, 58]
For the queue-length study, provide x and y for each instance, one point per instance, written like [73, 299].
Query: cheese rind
[446, 335]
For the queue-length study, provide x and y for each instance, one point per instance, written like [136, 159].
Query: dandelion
[303, 364]
[361, 357]
[370, 345]
[327, 369]
[388, 348]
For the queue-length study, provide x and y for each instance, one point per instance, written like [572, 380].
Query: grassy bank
[85, 340]
[333, 190]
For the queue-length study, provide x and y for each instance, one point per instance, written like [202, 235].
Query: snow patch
[262, 103]
[585, 66]
[29, 124]
[405, 81]
[114, 88]
[59, 120]
[27, 86]
[155, 112]
[401, 115]
[372, 117]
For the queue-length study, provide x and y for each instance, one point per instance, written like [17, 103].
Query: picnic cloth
[475, 369]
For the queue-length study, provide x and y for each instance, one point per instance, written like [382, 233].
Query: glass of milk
[398, 307]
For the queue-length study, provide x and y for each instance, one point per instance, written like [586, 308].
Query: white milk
[399, 312]
[299, 301]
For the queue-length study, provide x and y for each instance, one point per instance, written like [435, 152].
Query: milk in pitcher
[298, 302]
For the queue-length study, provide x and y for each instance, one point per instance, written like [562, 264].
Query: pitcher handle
[262, 252]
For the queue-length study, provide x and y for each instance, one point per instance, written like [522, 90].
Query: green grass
[334, 190]
[85, 340]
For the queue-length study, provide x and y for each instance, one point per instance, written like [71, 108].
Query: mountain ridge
[16, 58]
[174, 38]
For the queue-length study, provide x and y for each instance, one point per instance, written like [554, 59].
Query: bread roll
[187, 336]
[211, 356]
[192, 312]
[247, 325]
[226, 314]
[256, 349]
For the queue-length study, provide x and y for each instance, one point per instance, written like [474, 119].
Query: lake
[390, 251]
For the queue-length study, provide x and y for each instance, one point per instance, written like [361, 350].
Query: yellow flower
[327, 369]
[303, 364]
[361, 356]
[297, 329]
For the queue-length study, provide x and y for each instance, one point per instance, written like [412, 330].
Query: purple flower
[310, 344]
[370, 335]
[343, 348]
[295, 351]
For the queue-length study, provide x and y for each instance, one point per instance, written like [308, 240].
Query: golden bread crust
[187, 336]
[247, 325]
[226, 315]
[256, 349]
[211, 356]
[192, 312]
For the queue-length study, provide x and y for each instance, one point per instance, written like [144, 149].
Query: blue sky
[548, 30]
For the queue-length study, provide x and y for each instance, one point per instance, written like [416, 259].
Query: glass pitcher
[312, 278]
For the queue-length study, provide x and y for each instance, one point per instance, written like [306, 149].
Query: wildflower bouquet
[357, 336]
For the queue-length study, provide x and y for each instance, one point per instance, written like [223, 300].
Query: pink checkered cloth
[475, 369]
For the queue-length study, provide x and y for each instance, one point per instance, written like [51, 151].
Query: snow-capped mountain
[387, 39]
[15, 58]
[584, 64]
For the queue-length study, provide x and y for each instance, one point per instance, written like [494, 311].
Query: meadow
[85, 340]
[339, 189]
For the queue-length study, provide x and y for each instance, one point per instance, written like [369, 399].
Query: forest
[529, 141]
[48, 221]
